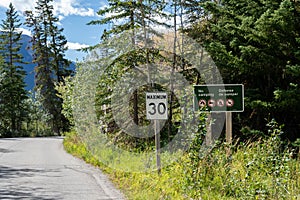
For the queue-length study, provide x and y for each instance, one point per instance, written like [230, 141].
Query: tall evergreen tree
[257, 43]
[49, 46]
[133, 15]
[13, 91]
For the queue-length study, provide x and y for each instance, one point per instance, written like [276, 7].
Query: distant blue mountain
[29, 68]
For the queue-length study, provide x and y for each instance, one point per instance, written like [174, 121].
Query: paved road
[39, 169]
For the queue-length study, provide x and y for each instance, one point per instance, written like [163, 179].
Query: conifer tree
[257, 43]
[133, 15]
[13, 92]
[49, 46]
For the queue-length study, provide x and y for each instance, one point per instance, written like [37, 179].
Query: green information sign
[219, 98]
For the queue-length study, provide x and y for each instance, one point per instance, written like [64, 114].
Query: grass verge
[257, 170]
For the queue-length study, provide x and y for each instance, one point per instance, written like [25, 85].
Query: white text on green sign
[219, 98]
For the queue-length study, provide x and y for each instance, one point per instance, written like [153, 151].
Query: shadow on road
[15, 190]
[25, 193]
[2, 150]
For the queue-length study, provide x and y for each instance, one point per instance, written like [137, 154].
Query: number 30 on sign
[157, 105]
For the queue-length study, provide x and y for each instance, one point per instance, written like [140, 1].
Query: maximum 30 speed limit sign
[157, 105]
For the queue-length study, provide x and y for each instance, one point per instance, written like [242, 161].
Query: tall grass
[254, 170]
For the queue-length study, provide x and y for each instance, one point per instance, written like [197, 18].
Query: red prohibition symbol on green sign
[221, 103]
[202, 103]
[219, 97]
[211, 103]
[229, 102]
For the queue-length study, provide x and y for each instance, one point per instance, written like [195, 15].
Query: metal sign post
[157, 145]
[157, 109]
[208, 137]
[228, 131]
[229, 127]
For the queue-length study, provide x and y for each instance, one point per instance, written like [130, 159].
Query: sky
[73, 16]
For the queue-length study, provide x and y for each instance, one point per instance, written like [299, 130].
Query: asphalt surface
[40, 169]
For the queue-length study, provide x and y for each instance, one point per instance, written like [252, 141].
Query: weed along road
[39, 168]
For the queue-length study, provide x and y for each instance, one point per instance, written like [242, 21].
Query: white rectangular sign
[157, 105]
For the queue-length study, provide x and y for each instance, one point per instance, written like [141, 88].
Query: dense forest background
[255, 43]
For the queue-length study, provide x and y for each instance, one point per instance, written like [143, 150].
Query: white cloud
[76, 45]
[71, 7]
[61, 7]
[20, 5]
[25, 31]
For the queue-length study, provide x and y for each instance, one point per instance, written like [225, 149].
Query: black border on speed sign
[156, 105]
